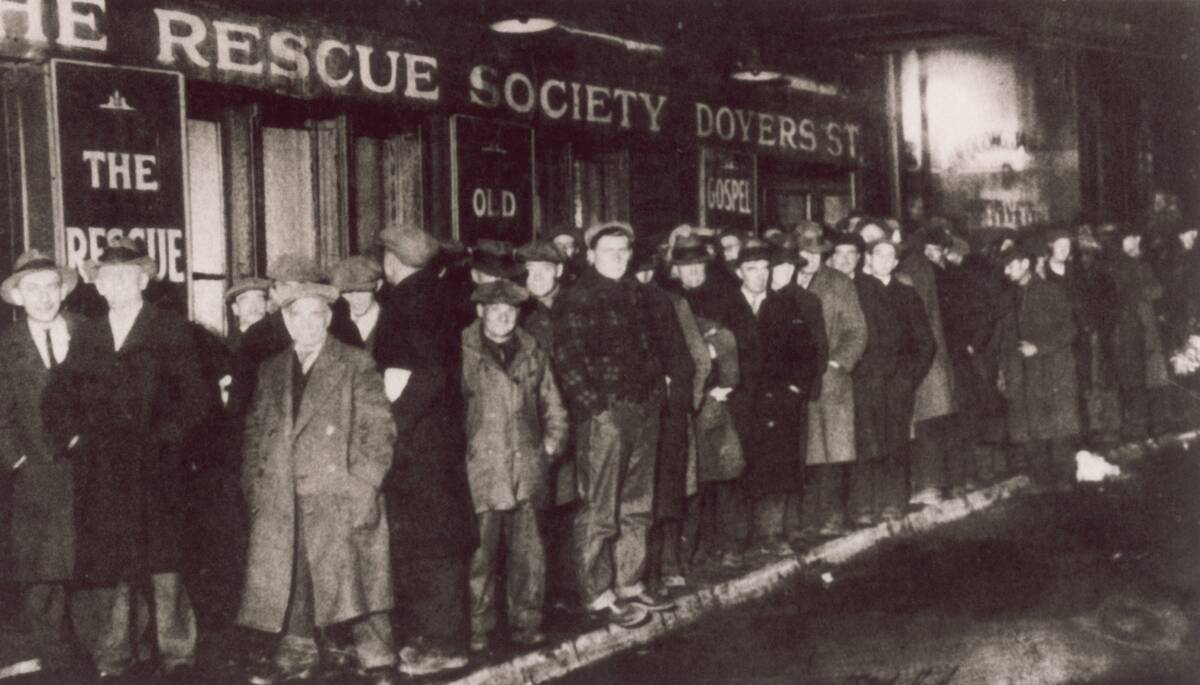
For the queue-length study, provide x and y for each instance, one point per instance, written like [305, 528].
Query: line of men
[602, 418]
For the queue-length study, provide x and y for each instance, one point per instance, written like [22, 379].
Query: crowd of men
[350, 467]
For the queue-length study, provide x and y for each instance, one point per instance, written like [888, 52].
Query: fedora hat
[34, 261]
[810, 237]
[495, 258]
[754, 250]
[122, 252]
[689, 249]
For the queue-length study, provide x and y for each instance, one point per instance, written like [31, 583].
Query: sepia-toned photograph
[591, 342]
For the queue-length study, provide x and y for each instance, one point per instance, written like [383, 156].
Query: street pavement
[1099, 585]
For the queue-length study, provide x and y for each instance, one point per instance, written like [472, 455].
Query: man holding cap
[42, 529]
[120, 406]
[612, 377]
[318, 443]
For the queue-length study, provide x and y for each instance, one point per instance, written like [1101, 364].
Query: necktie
[50, 350]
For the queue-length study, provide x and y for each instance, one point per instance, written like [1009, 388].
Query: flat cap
[495, 258]
[540, 251]
[294, 268]
[499, 292]
[356, 274]
[245, 285]
[609, 227]
[298, 291]
[413, 246]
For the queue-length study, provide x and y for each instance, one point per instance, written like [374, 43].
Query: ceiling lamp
[753, 73]
[523, 25]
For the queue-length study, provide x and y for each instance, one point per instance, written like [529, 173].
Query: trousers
[111, 622]
[516, 533]
[615, 457]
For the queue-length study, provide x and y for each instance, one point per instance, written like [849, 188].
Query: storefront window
[209, 234]
[387, 184]
[601, 187]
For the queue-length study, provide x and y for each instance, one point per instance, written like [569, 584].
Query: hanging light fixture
[522, 24]
[749, 67]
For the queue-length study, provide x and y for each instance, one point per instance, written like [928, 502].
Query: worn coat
[428, 496]
[900, 348]
[831, 414]
[131, 410]
[511, 415]
[671, 466]
[330, 461]
[538, 320]
[43, 527]
[935, 394]
[778, 363]
[1137, 342]
[1041, 389]
[719, 453]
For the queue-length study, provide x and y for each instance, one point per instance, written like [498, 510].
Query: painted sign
[492, 180]
[121, 161]
[728, 190]
[310, 59]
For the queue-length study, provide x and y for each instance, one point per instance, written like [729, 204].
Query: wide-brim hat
[1086, 239]
[785, 250]
[291, 292]
[31, 262]
[122, 252]
[356, 274]
[754, 250]
[810, 237]
[246, 285]
[413, 246]
[690, 250]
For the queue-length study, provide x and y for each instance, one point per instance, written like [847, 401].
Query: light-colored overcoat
[831, 414]
[330, 461]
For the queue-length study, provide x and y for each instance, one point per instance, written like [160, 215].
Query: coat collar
[324, 377]
[139, 333]
[472, 340]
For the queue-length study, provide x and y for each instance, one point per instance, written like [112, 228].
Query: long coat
[329, 461]
[511, 414]
[900, 348]
[778, 363]
[671, 465]
[831, 413]
[1137, 342]
[429, 499]
[43, 526]
[131, 409]
[935, 394]
[1041, 389]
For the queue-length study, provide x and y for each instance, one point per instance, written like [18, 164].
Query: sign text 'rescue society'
[310, 60]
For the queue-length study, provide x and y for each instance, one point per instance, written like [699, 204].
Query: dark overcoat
[1041, 390]
[935, 394]
[900, 348]
[778, 363]
[970, 296]
[428, 496]
[670, 473]
[330, 461]
[131, 410]
[43, 526]
[1137, 343]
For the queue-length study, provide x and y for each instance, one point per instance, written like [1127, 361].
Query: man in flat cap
[41, 534]
[318, 443]
[613, 378]
[516, 426]
[247, 299]
[429, 501]
[544, 265]
[567, 239]
[358, 278]
[120, 406]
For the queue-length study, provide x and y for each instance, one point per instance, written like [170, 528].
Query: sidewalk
[556, 661]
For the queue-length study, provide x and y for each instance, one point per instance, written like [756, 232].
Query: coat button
[770, 424]
[330, 430]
